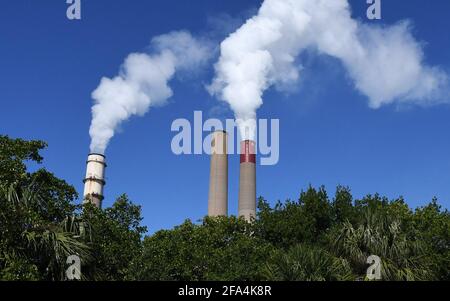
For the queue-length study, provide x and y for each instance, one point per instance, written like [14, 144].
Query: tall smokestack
[247, 180]
[218, 179]
[95, 179]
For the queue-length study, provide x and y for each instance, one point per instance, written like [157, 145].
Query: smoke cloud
[143, 82]
[385, 63]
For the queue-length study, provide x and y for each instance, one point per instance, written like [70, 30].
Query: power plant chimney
[95, 179]
[218, 179]
[247, 180]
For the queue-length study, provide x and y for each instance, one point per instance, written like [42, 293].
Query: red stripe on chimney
[248, 153]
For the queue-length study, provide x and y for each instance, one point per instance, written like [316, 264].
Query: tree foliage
[116, 238]
[33, 247]
[217, 249]
[307, 263]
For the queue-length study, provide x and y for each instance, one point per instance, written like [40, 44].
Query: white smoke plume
[385, 63]
[143, 82]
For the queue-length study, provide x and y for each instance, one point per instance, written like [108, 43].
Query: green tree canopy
[116, 238]
[218, 249]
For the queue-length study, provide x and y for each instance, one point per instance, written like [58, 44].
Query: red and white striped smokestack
[218, 179]
[247, 180]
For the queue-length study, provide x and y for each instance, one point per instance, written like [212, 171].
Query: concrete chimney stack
[218, 179]
[247, 180]
[95, 179]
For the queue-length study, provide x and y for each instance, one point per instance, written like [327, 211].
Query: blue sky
[329, 136]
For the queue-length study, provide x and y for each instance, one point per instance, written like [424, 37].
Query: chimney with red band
[247, 180]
